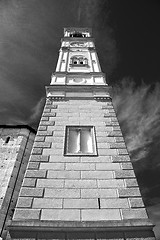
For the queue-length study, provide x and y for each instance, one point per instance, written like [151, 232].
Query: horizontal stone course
[60, 215]
[37, 151]
[29, 182]
[35, 173]
[51, 151]
[131, 182]
[129, 192]
[62, 193]
[39, 158]
[63, 174]
[45, 133]
[52, 166]
[107, 166]
[117, 145]
[24, 202]
[31, 192]
[33, 165]
[97, 174]
[105, 152]
[100, 214]
[39, 139]
[81, 203]
[99, 193]
[47, 203]
[134, 213]
[98, 159]
[80, 166]
[42, 144]
[47, 123]
[136, 202]
[24, 214]
[63, 159]
[127, 165]
[111, 183]
[124, 158]
[81, 183]
[54, 183]
[124, 174]
[114, 203]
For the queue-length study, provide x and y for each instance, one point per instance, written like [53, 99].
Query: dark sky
[127, 35]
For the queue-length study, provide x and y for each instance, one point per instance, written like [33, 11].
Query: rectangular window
[80, 140]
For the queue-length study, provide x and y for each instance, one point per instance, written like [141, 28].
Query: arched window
[78, 60]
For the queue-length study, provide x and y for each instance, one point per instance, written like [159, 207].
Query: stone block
[103, 145]
[114, 134]
[60, 215]
[63, 159]
[81, 203]
[39, 158]
[59, 133]
[109, 152]
[100, 214]
[53, 151]
[81, 183]
[55, 139]
[98, 193]
[47, 123]
[57, 146]
[124, 174]
[125, 158]
[96, 174]
[24, 202]
[33, 165]
[62, 193]
[105, 139]
[47, 203]
[35, 174]
[119, 139]
[58, 183]
[136, 202]
[63, 174]
[29, 182]
[42, 144]
[44, 118]
[106, 115]
[37, 151]
[110, 183]
[127, 165]
[107, 166]
[39, 139]
[46, 110]
[131, 182]
[45, 133]
[129, 192]
[122, 151]
[80, 166]
[134, 213]
[49, 114]
[99, 159]
[24, 214]
[117, 145]
[31, 192]
[52, 166]
[42, 128]
[114, 203]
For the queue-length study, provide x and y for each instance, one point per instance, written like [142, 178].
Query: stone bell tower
[79, 183]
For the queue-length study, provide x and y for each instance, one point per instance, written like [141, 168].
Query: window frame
[93, 136]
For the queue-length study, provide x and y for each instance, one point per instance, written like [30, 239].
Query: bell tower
[79, 183]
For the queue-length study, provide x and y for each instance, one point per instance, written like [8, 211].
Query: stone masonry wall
[14, 156]
[84, 188]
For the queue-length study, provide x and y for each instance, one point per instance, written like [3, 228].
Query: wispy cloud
[138, 110]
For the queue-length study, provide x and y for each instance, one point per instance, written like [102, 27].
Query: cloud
[138, 110]
[36, 112]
